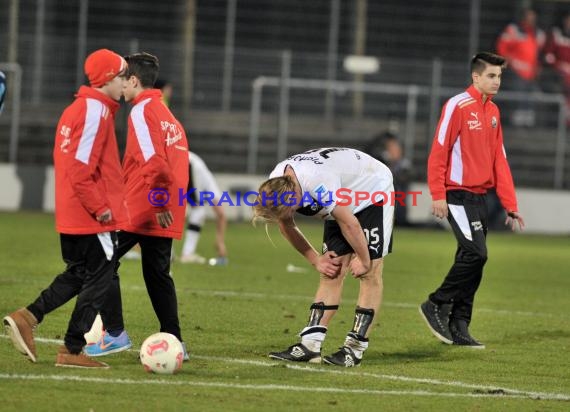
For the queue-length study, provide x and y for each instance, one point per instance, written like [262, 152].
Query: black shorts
[377, 223]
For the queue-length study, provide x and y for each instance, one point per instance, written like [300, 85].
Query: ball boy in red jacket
[155, 168]
[89, 208]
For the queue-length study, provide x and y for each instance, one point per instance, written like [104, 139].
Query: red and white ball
[162, 353]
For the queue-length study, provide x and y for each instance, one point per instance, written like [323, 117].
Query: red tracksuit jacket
[88, 176]
[156, 157]
[467, 151]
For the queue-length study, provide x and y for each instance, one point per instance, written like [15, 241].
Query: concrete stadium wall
[32, 188]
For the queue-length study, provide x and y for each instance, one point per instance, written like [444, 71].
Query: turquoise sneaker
[108, 344]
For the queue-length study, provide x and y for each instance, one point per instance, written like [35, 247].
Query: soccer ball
[162, 353]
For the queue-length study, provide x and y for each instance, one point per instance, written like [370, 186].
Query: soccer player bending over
[357, 236]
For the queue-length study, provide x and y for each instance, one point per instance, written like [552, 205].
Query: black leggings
[155, 254]
[88, 275]
[468, 219]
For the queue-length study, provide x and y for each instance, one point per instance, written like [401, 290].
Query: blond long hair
[269, 211]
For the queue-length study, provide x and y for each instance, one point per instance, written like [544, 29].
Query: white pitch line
[401, 378]
[269, 387]
[404, 305]
[507, 391]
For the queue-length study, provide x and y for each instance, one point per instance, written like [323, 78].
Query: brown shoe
[80, 360]
[20, 326]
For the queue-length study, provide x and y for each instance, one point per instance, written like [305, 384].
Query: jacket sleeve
[88, 140]
[445, 136]
[503, 178]
[153, 158]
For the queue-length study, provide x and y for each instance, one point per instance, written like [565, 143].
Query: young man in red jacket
[89, 208]
[155, 168]
[467, 158]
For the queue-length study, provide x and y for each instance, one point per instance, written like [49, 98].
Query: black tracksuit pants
[468, 219]
[155, 255]
[88, 275]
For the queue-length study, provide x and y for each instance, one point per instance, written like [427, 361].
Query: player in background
[202, 181]
[155, 167]
[467, 158]
[89, 208]
[357, 236]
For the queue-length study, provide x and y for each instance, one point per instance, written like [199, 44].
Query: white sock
[313, 340]
[196, 218]
[357, 346]
[190, 242]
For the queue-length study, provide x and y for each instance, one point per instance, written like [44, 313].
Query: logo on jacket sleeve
[494, 122]
[173, 134]
[474, 124]
[65, 132]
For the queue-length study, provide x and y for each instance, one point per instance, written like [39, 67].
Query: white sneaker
[193, 258]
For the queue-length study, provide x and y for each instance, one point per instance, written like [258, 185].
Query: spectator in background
[2, 90]
[202, 181]
[386, 147]
[520, 44]
[557, 54]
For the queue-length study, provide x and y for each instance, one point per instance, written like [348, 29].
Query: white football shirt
[202, 178]
[333, 175]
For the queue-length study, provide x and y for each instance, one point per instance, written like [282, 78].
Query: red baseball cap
[102, 66]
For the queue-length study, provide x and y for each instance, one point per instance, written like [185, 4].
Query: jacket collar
[91, 93]
[477, 95]
[145, 94]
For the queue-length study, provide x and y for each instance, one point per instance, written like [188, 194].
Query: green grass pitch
[232, 316]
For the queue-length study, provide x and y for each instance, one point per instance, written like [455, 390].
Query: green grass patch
[232, 316]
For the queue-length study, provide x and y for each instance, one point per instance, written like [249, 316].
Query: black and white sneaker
[461, 336]
[297, 353]
[437, 319]
[344, 357]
